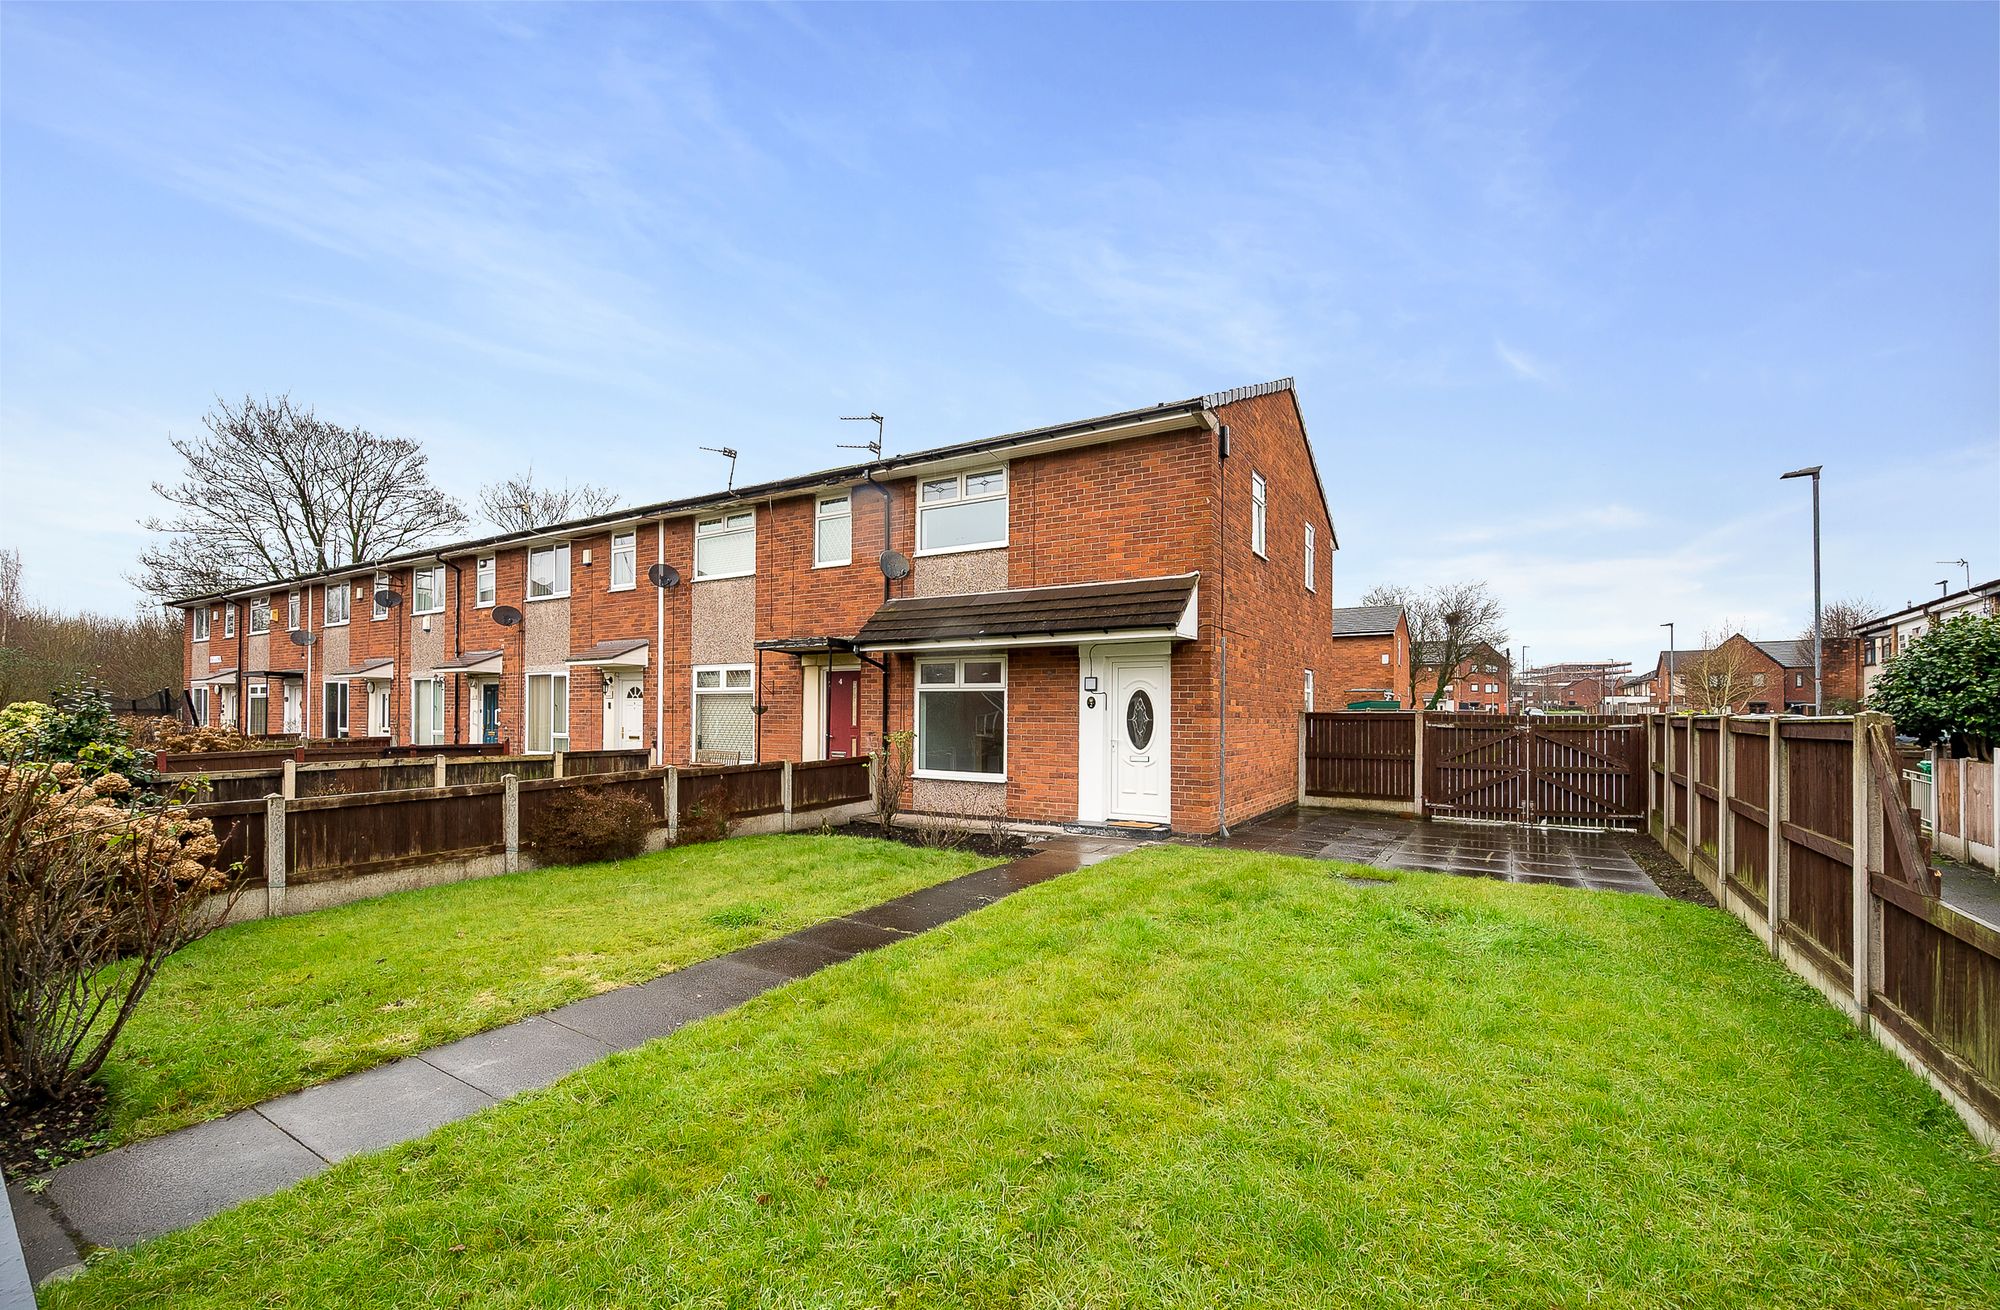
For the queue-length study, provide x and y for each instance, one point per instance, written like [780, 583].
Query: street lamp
[1813, 473]
[1672, 660]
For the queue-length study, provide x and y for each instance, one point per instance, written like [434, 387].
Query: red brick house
[1747, 676]
[1371, 657]
[1113, 620]
[1479, 685]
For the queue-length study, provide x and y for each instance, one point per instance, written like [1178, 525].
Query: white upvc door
[625, 713]
[1140, 721]
[295, 709]
[378, 709]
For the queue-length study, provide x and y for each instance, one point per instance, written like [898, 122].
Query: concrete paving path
[156, 1186]
[1557, 857]
[1970, 890]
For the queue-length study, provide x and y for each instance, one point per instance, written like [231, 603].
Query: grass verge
[263, 1008]
[1186, 1078]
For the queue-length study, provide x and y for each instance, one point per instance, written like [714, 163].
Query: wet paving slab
[1555, 857]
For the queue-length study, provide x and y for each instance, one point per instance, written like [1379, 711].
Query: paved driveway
[1557, 857]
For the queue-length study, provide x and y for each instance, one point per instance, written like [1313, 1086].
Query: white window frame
[292, 612]
[198, 704]
[198, 624]
[485, 583]
[229, 619]
[560, 551]
[338, 600]
[1312, 558]
[1309, 691]
[1259, 505]
[828, 509]
[958, 683]
[558, 732]
[722, 688]
[341, 724]
[625, 544]
[959, 497]
[257, 691]
[260, 608]
[725, 527]
[435, 693]
[378, 611]
[434, 575]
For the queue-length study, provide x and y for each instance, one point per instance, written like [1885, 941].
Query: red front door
[843, 715]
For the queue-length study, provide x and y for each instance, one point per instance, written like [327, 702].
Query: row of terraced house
[1113, 620]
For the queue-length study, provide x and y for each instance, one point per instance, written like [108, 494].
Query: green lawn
[1188, 1078]
[269, 1007]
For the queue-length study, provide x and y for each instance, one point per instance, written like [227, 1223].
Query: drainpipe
[660, 652]
[1222, 634]
[887, 585]
[461, 685]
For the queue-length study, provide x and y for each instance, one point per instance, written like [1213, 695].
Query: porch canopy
[473, 661]
[626, 654]
[376, 670]
[216, 678]
[1139, 609]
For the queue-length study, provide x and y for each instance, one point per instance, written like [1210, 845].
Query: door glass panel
[1139, 719]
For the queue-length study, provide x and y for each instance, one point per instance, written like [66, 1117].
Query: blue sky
[1564, 288]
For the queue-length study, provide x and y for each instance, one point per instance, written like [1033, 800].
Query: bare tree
[1719, 677]
[1842, 619]
[273, 491]
[1448, 624]
[517, 504]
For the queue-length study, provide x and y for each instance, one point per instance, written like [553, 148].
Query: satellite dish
[387, 600]
[300, 637]
[895, 564]
[664, 575]
[506, 616]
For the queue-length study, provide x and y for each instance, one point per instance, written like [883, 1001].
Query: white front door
[378, 709]
[624, 713]
[295, 710]
[1141, 746]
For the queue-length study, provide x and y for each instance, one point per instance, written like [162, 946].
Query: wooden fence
[289, 842]
[1573, 771]
[1966, 806]
[1802, 828]
[289, 778]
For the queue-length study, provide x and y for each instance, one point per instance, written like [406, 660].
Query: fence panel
[1677, 778]
[1940, 992]
[1475, 769]
[1819, 836]
[239, 827]
[577, 764]
[1586, 771]
[820, 784]
[1361, 755]
[341, 836]
[1749, 803]
[747, 790]
[1705, 792]
[645, 785]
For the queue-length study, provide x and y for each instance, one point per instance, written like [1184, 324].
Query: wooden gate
[1589, 772]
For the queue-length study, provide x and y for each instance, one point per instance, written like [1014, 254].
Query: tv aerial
[730, 451]
[872, 447]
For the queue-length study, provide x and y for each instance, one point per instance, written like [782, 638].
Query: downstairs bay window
[962, 718]
[548, 713]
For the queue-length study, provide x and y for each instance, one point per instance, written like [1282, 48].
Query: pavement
[1969, 890]
[1557, 857]
[165, 1183]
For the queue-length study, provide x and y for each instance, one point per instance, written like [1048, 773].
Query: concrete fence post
[673, 804]
[510, 820]
[556, 763]
[288, 784]
[1417, 763]
[1777, 866]
[275, 850]
[438, 774]
[785, 791]
[1301, 800]
[1867, 841]
[1725, 821]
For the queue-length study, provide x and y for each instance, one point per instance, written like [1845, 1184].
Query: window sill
[962, 550]
[832, 564]
[939, 775]
[724, 577]
[630, 586]
[336, 623]
[482, 604]
[554, 595]
[424, 614]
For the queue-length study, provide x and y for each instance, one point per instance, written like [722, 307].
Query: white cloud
[1524, 365]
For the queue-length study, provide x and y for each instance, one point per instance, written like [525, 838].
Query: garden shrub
[21, 725]
[176, 738]
[87, 880]
[81, 729]
[1944, 687]
[589, 824]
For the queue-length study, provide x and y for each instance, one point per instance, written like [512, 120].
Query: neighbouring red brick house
[1747, 676]
[1110, 620]
[1371, 657]
[1479, 685]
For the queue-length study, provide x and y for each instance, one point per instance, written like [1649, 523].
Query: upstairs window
[966, 511]
[260, 615]
[1257, 514]
[485, 589]
[198, 624]
[292, 612]
[229, 619]
[833, 532]
[725, 547]
[1312, 558]
[624, 561]
[336, 604]
[381, 586]
[427, 590]
[548, 571]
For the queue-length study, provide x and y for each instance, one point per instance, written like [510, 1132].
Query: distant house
[1634, 693]
[1371, 657]
[1882, 638]
[1480, 683]
[1746, 676]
